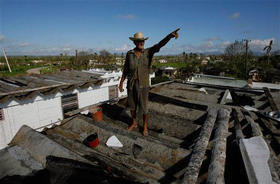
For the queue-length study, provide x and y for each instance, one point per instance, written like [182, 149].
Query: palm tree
[268, 49]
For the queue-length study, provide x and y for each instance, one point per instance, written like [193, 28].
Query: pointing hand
[175, 33]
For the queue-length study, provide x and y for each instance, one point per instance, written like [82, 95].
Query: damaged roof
[197, 134]
[28, 86]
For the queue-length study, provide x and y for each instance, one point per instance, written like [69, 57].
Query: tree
[105, 56]
[268, 49]
[95, 56]
[235, 54]
[184, 56]
[235, 49]
[82, 60]
[191, 55]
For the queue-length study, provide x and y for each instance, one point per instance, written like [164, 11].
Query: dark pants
[138, 97]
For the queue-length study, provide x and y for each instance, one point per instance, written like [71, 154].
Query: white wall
[113, 82]
[36, 112]
[92, 96]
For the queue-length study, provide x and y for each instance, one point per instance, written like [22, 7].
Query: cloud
[258, 45]
[54, 50]
[236, 15]
[255, 45]
[205, 46]
[225, 44]
[124, 48]
[214, 38]
[2, 37]
[24, 44]
[128, 16]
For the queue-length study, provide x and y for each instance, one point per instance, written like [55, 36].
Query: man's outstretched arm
[164, 41]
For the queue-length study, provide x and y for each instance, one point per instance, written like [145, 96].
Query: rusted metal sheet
[198, 152]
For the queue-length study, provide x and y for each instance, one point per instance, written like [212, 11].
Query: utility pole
[246, 59]
[4, 53]
[76, 58]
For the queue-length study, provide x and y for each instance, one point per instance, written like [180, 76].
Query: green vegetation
[159, 79]
[18, 70]
[49, 69]
[232, 63]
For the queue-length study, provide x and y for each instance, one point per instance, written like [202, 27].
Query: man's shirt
[141, 65]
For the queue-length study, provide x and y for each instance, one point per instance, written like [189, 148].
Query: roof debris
[195, 137]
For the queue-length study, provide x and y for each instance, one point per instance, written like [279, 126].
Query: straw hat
[138, 36]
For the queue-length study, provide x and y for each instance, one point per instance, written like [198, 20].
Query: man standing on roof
[136, 69]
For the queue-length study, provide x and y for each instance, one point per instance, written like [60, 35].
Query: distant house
[37, 61]
[162, 61]
[167, 71]
[207, 58]
[204, 62]
[120, 61]
[92, 62]
[254, 75]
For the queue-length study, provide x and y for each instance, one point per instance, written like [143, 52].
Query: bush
[159, 79]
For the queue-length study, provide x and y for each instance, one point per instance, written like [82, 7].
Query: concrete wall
[92, 96]
[36, 113]
[112, 82]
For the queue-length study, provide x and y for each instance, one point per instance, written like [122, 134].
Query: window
[69, 102]
[1, 114]
[113, 91]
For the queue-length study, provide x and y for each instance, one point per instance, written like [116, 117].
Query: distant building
[167, 71]
[207, 58]
[204, 62]
[254, 75]
[93, 62]
[162, 61]
[120, 61]
[37, 61]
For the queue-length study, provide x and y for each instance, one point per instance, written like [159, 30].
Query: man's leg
[132, 102]
[134, 122]
[144, 96]
[145, 121]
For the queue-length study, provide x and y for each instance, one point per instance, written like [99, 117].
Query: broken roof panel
[46, 84]
[194, 139]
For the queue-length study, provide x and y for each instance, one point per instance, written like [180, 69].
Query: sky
[51, 27]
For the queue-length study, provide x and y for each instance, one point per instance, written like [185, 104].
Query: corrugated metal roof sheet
[29, 86]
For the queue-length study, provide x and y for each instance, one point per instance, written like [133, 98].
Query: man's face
[139, 44]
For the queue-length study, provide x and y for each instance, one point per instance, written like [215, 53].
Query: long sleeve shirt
[141, 66]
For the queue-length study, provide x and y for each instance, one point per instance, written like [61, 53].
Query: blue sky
[50, 27]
